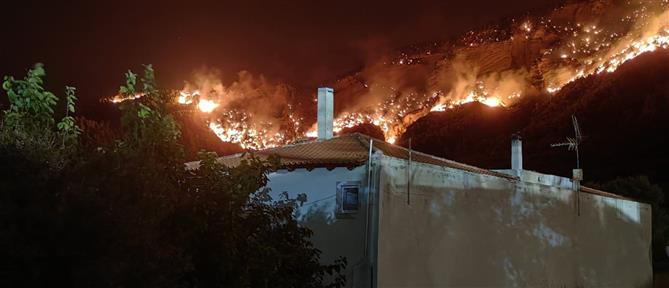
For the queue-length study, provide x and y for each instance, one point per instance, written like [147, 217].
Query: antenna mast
[577, 174]
[573, 142]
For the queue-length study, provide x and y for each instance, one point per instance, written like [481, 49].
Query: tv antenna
[573, 142]
[577, 174]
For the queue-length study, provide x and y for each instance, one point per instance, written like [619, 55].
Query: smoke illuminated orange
[582, 50]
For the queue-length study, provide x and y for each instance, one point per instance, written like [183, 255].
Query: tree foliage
[129, 213]
[29, 124]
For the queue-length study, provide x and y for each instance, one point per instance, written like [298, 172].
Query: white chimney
[325, 112]
[516, 153]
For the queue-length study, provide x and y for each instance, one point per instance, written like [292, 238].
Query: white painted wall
[470, 230]
[332, 235]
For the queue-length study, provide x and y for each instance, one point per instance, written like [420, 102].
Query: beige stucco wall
[469, 230]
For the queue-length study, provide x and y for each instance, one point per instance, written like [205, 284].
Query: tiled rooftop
[351, 151]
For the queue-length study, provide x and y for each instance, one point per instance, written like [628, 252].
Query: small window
[348, 197]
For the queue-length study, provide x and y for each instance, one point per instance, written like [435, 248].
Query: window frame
[344, 191]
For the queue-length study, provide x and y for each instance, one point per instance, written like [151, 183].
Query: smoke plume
[494, 65]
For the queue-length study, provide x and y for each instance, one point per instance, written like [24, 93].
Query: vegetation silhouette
[120, 209]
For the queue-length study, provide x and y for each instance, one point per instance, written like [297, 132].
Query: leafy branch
[29, 103]
[67, 126]
[29, 123]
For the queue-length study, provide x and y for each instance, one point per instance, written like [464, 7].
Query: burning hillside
[494, 65]
[499, 64]
[623, 116]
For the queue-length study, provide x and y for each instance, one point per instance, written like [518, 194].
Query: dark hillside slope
[624, 116]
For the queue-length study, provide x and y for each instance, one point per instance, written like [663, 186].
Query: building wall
[334, 234]
[460, 229]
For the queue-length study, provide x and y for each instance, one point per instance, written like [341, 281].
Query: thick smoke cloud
[255, 95]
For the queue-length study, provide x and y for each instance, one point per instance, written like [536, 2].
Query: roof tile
[346, 151]
[351, 151]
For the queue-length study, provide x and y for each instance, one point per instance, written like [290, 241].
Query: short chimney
[325, 112]
[516, 153]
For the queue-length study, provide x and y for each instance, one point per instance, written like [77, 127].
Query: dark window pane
[350, 198]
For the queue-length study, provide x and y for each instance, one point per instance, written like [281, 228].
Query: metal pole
[577, 177]
[409, 176]
[369, 194]
[577, 186]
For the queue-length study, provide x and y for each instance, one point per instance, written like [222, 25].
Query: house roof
[350, 151]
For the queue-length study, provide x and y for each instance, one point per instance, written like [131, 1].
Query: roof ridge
[290, 152]
[446, 161]
[362, 139]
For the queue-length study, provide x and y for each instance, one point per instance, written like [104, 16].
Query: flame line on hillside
[583, 50]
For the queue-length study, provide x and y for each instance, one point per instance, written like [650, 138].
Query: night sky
[90, 44]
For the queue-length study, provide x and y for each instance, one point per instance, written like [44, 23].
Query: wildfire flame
[613, 61]
[207, 106]
[583, 50]
[186, 97]
[121, 98]
[591, 51]
[472, 97]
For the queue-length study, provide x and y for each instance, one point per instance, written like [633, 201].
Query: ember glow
[583, 50]
[121, 98]
[494, 66]
[187, 97]
[491, 101]
[590, 55]
[244, 136]
[206, 106]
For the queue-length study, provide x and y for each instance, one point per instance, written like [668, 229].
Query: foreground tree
[129, 214]
[35, 152]
[242, 238]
